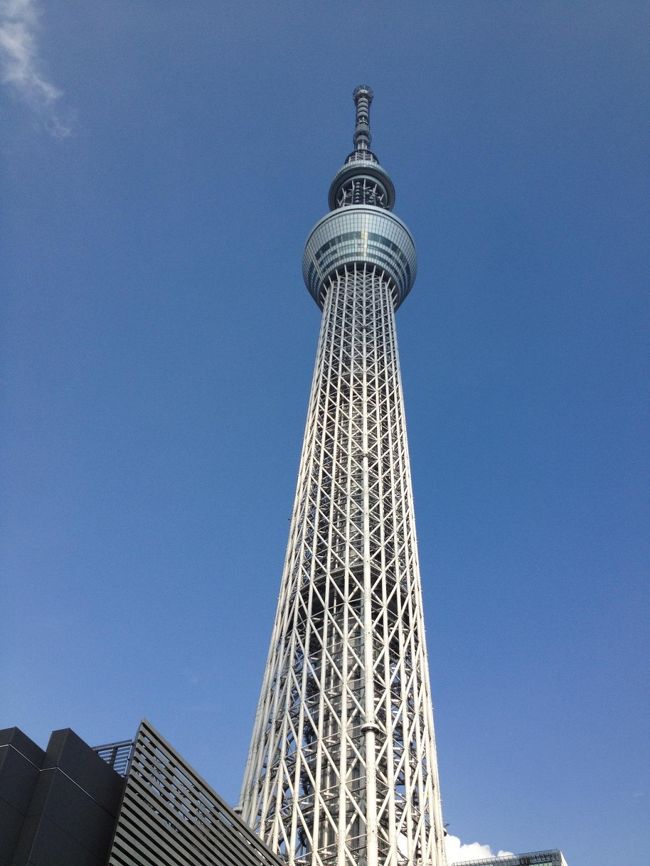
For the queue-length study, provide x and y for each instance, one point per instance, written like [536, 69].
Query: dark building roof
[122, 803]
[57, 807]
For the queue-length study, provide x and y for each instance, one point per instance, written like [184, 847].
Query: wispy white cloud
[20, 66]
[458, 851]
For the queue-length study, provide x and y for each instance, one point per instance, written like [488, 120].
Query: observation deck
[359, 234]
[360, 228]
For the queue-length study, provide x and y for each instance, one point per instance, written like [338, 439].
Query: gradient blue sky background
[163, 163]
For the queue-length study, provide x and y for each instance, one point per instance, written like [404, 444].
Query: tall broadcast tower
[342, 767]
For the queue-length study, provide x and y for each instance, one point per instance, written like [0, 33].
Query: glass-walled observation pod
[356, 235]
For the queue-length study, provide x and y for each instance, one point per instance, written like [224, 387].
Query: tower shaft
[342, 768]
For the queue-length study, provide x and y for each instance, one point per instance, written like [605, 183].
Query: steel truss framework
[342, 769]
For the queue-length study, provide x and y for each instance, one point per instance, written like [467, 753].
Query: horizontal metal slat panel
[170, 817]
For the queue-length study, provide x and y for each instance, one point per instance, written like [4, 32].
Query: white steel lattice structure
[342, 767]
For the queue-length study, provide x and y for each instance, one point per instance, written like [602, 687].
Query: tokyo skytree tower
[342, 766]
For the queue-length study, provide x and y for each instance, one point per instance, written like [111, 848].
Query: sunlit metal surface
[342, 768]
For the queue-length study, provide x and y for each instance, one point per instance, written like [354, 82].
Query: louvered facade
[170, 817]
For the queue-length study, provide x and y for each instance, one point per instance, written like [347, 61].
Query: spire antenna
[362, 180]
[362, 98]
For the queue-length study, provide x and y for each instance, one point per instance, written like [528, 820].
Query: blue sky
[163, 163]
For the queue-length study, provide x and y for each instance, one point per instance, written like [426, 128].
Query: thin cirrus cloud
[458, 851]
[20, 67]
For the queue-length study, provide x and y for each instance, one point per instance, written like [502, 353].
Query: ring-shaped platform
[359, 234]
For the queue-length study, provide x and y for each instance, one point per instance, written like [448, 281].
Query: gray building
[170, 816]
[121, 804]
[533, 858]
[58, 806]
